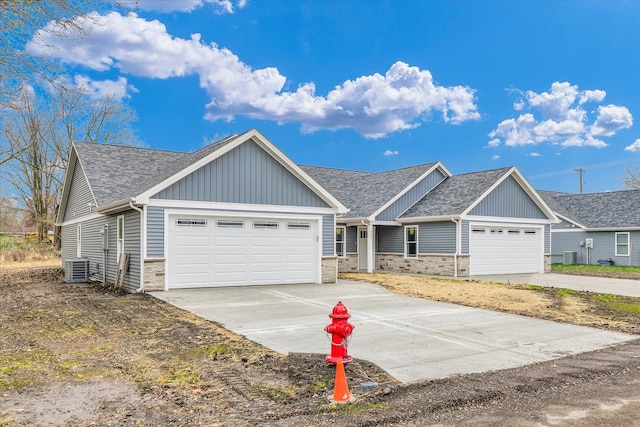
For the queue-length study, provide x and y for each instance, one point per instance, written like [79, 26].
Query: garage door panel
[504, 250]
[263, 251]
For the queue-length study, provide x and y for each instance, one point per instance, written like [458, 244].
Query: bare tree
[40, 126]
[632, 179]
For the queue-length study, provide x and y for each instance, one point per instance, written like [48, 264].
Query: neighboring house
[237, 212]
[596, 226]
[423, 219]
[240, 212]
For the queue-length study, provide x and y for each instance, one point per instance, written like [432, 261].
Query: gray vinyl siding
[411, 197]
[508, 200]
[328, 235]
[155, 232]
[351, 246]
[390, 239]
[547, 239]
[79, 196]
[132, 247]
[246, 174]
[603, 247]
[464, 238]
[437, 237]
[91, 246]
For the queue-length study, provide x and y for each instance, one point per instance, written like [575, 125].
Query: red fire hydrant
[340, 330]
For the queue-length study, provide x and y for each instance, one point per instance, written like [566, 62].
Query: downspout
[458, 244]
[142, 245]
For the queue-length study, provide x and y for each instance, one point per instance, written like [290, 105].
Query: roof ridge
[484, 171]
[128, 147]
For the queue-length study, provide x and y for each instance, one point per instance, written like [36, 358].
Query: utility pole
[581, 171]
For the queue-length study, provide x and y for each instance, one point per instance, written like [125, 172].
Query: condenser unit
[570, 257]
[76, 270]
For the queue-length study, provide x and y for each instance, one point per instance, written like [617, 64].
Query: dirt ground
[83, 355]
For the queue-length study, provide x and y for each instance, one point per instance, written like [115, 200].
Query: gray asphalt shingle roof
[615, 209]
[117, 172]
[455, 194]
[365, 192]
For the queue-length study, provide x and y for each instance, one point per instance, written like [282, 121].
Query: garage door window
[411, 242]
[622, 244]
[229, 223]
[265, 224]
[298, 226]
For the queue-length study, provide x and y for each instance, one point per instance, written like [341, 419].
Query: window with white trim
[622, 244]
[265, 224]
[79, 241]
[119, 237]
[340, 241]
[411, 241]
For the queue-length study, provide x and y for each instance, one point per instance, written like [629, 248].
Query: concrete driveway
[412, 339]
[602, 285]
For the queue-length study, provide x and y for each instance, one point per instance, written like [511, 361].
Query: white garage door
[506, 250]
[214, 251]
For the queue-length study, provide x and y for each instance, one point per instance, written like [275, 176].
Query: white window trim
[119, 239]
[406, 242]
[615, 241]
[344, 242]
[79, 241]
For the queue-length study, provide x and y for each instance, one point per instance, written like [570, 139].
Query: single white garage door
[506, 250]
[211, 251]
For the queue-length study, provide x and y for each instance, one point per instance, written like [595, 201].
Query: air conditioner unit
[76, 270]
[570, 257]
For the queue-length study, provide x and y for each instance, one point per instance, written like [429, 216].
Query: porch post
[370, 248]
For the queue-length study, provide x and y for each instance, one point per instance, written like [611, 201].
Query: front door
[363, 249]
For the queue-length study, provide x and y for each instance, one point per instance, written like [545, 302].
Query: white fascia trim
[520, 179]
[235, 214]
[417, 219]
[80, 219]
[571, 221]
[186, 204]
[507, 220]
[390, 223]
[596, 230]
[505, 224]
[409, 187]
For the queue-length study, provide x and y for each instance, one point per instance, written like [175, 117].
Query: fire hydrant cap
[340, 312]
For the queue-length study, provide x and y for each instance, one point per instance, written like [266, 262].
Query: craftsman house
[240, 212]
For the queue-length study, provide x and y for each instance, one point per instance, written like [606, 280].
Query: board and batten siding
[80, 200]
[246, 174]
[408, 199]
[508, 200]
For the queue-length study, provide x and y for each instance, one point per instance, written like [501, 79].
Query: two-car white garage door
[208, 251]
[505, 250]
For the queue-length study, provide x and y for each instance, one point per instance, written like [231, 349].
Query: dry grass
[567, 307]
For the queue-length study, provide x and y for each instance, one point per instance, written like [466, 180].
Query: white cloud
[611, 118]
[391, 153]
[166, 6]
[97, 89]
[374, 105]
[534, 154]
[635, 147]
[558, 117]
[494, 143]
[495, 157]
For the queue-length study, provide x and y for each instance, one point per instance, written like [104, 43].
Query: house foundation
[329, 269]
[432, 264]
[154, 273]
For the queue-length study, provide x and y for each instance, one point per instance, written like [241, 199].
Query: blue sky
[546, 86]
